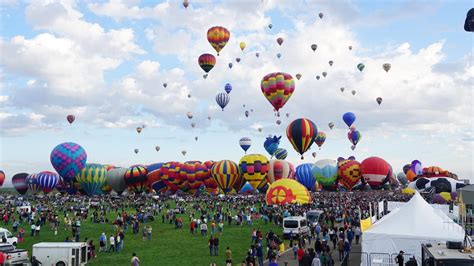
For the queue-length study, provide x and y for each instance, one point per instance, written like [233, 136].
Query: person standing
[33, 229]
[102, 243]
[300, 255]
[210, 243]
[149, 229]
[260, 254]
[135, 260]
[399, 259]
[340, 248]
[112, 243]
[228, 257]
[216, 246]
[357, 233]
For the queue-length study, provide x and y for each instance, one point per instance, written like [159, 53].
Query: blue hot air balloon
[222, 99]
[228, 88]
[305, 176]
[245, 143]
[271, 144]
[47, 181]
[349, 118]
[281, 154]
[246, 189]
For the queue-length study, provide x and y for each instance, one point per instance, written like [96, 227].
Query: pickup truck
[14, 256]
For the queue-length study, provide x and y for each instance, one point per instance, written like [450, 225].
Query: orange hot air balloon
[218, 37]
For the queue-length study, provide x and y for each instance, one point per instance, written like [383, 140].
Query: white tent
[406, 228]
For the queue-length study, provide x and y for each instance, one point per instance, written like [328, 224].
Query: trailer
[61, 253]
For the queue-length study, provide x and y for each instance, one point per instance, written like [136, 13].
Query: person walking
[216, 246]
[112, 243]
[357, 234]
[135, 261]
[228, 257]
[340, 248]
[399, 259]
[260, 254]
[102, 243]
[300, 255]
[149, 229]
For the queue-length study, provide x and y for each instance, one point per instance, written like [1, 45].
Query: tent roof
[467, 193]
[417, 219]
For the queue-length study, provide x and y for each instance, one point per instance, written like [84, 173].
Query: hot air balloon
[254, 168]
[189, 95]
[139, 130]
[320, 139]
[136, 178]
[314, 154]
[305, 176]
[375, 171]
[301, 133]
[228, 88]
[225, 172]
[171, 175]
[91, 178]
[469, 22]
[237, 59]
[68, 159]
[298, 76]
[379, 100]
[230, 65]
[218, 37]
[246, 113]
[280, 41]
[342, 89]
[32, 183]
[183, 152]
[271, 144]
[354, 136]
[246, 189]
[270, 26]
[278, 169]
[330, 125]
[208, 117]
[314, 47]
[242, 46]
[2, 177]
[165, 85]
[207, 62]
[321, 15]
[70, 118]
[47, 181]
[349, 118]
[287, 115]
[325, 74]
[280, 154]
[222, 99]
[353, 92]
[325, 172]
[279, 55]
[196, 138]
[115, 178]
[360, 66]
[287, 191]
[278, 122]
[386, 67]
[245, 143]
[350, 47]
[193, 125]
[157, 148]
[260, 129]
[189, 115]
[19, 183]
[318, 77]
[185, 3]
[349, 173]
[136, 151]
[330, 63]
[277, 88]
[196, 173]
[257, 55]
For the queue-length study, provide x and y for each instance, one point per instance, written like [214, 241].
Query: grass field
[168, 246]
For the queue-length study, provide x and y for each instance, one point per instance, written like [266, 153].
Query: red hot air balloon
[375, 171]
[218, 37]
[2, 178]
[280, 41]
[207, 62]
[70, 118]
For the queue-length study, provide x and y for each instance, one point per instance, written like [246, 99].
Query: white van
[296, 224]
[61, 253]
[314, 217]
[11, 239]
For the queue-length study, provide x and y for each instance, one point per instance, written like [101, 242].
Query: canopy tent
[467, 194]
[407, 227]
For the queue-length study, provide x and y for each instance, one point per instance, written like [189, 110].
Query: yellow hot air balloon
[254, 168]
[287, 191]
[446, 195]
[242, 46]
[408, 191]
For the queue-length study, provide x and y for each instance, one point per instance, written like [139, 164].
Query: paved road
[287, 256]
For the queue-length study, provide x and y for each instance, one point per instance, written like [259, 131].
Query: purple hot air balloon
[47, 181]
[68, 159]
[19, 183]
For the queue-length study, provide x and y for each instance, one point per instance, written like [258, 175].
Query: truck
[61, 253]
[14, 256]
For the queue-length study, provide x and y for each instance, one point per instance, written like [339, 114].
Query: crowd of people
[206, 215]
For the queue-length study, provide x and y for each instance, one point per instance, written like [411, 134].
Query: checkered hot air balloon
[136, 178]
[277, 88]
[218, 37]
[19, 183]
[68, 159]
[254, 169]
[225, 173]
[349, 173]
[170, 175]
[47, 181]
[301, 133]
[91, 178]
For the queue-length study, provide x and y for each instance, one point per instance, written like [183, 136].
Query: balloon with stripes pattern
[91, 178]
[278, 169]
[47, 181]
[32, 182]
[301, 133]
[305, 176]
[245, 143]
[254, 169]
[207, 62]
[222, 99]
[281, 154]
[19, 183]
[225, 173]
[136, 178]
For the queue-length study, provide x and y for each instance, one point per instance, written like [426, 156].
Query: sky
[105, 62]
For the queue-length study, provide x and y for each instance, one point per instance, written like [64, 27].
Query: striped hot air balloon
[254, 169]
[277, 88]
[218, 37]
[305, 176]
[195, 173]
[207, 62]
[47, 181]
[281, 153]
[136, 178]
[116, 179]
[225, 172]
[91, 178]
[19, 183]
[278, 169]
[301, 133]
[32, 182]
[170, 175]
[245, 143]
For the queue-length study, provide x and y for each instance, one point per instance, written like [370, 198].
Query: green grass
[168, 246]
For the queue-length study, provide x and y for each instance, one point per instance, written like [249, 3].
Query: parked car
[14, 256]
[11, 239]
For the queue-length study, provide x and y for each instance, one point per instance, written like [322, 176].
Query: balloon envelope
[325, 172]
[305, 176]
[116, 179]
[254, 169]
[279, 169]
[218, 37]
[301, 133]
[225, 173]
[287, 191]
[277, 88]
[19, 183]
[376, 171]
[68, 159]
[136, 178]
[91, 178]
[47, 181]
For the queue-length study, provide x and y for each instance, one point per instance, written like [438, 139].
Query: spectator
[135, 260]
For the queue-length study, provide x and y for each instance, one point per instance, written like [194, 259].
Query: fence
[373, 259]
